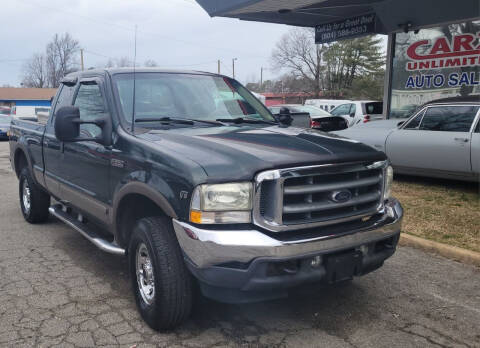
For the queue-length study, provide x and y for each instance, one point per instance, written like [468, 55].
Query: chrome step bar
[60, 213]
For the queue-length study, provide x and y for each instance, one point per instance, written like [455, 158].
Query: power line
[91, 19]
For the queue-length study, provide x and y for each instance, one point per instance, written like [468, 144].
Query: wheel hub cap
[26, 196]
[144, 270]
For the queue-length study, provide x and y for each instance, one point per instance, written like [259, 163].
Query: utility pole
[81, 59]
[219, 66]
[261, 77]
[233, 67]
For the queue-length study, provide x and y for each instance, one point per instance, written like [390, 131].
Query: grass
[440, 210]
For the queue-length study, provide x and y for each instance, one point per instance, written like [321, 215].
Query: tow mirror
[67, 126]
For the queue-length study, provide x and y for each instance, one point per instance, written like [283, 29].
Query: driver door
[344, 110]
[438, 142]
[87, 163]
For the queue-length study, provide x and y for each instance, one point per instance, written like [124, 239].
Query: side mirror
[352, 114]
[67, 126]
[284, 117]
[400, 123]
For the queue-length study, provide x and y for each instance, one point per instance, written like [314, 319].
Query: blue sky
[174, 33]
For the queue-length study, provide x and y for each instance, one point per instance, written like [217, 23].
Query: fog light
[316, 261]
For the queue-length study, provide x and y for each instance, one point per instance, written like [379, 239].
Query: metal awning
[390, 15]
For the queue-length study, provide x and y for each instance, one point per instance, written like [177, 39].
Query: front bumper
[232, 263]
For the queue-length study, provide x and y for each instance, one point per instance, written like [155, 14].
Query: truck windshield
[190, 96]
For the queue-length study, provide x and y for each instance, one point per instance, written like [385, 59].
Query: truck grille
[319, 195]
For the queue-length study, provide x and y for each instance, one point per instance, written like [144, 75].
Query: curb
[451, 252]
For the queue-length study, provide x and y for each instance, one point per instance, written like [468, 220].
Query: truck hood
[239, 152]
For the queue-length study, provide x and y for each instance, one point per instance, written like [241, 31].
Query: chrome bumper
[207, 248]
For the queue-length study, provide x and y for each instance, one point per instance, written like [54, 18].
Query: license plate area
[343, 266]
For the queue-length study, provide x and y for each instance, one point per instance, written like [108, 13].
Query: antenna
[134, 81]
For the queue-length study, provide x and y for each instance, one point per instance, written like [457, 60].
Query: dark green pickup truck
[189, 176]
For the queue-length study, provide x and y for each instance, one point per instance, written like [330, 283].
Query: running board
[61, 214]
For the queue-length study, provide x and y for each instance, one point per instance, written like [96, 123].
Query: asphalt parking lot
[56, 289]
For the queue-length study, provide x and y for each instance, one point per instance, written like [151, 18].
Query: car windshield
[189, 96]
[312, 110]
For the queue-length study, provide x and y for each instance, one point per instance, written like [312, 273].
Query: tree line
[61, 57]
[349, 68]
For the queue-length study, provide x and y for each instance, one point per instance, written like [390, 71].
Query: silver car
[442, 139]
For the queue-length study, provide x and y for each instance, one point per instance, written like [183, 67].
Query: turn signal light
[196, 216]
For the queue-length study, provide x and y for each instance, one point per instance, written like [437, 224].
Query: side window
[90, 102]
[353, 109]
[341, 110]
[477, 130]
[415, 122]
[64, 97]
[449, 118]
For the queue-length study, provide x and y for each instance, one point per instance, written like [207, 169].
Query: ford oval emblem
[341, 196]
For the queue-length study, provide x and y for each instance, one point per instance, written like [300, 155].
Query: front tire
[161, 283]
[34, 202]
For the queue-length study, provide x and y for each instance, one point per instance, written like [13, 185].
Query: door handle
[463, 140]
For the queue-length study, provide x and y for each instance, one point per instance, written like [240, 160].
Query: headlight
[222, 203]
[388, 182]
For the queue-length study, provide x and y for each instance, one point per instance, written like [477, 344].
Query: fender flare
[21, 148]
[136, 187]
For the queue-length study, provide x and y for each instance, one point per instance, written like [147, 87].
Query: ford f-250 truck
[194, 180]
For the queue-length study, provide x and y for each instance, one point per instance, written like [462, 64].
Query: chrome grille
[310, 196]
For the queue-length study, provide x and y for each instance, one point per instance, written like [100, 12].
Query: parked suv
[362, 111]
[191, 178]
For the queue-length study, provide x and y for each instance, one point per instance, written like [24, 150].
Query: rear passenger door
[440, 142]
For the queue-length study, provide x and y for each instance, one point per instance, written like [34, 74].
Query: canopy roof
[391, 15]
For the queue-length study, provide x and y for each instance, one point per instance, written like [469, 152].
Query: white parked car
[361, 111]
[326, 104]
[29, 113]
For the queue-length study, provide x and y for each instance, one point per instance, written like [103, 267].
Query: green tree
[347, 60]
[330, 68]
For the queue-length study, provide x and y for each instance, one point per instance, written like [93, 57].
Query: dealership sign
[462, 51]
[345, 29]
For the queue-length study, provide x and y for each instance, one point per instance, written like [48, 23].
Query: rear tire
[161, 282]
[34, 202]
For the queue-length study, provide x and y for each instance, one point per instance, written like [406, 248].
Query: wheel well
[133, 207]
[20, 161]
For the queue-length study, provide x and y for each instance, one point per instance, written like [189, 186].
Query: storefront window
[433, 64]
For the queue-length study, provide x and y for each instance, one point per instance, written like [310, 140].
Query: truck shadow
[314, 306]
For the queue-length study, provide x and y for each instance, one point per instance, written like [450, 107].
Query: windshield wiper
[164, 120]
[240, 120]
[167, 119]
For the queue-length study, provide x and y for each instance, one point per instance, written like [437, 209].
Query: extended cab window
[91, 104]
[449, 118]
